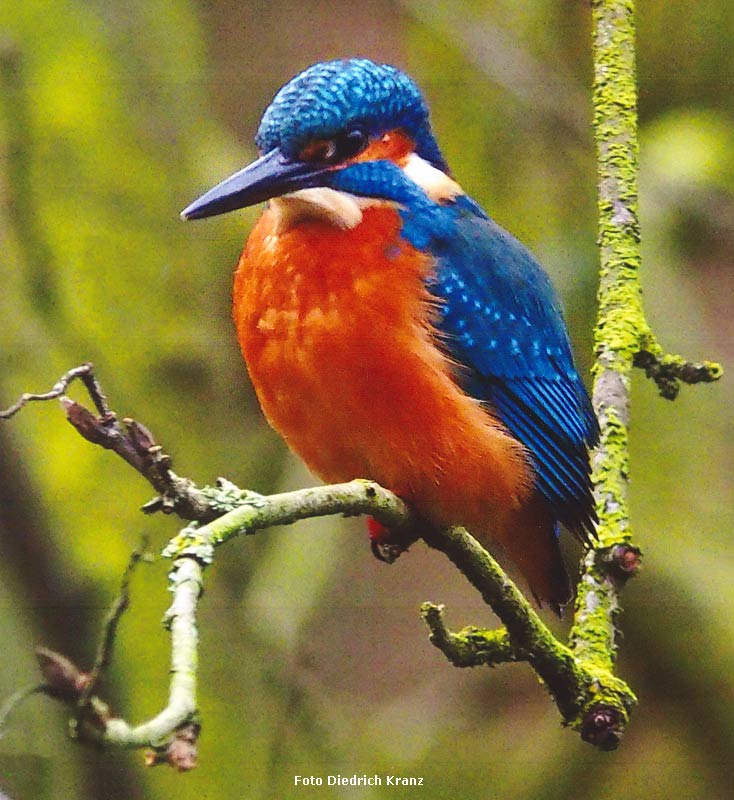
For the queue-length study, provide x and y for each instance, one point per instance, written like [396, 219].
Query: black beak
[271, 175]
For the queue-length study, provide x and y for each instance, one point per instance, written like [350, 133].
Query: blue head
[317, 125]
[337, 96]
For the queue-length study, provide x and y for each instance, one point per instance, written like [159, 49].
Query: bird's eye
[349, 143]
[340, 148]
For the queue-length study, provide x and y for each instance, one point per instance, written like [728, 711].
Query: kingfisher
[394, 332]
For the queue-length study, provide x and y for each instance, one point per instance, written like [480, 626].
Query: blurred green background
[113, 116]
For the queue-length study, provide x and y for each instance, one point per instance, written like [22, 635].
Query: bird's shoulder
[497, 302]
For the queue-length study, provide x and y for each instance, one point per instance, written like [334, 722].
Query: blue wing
[501, 321]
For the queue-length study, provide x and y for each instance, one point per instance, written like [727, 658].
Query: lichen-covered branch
[186, 581]
[470, 647]
[581, 691]
[585, 691]
[623, 337]
[172, 734]
[253, 512]
[621, 325]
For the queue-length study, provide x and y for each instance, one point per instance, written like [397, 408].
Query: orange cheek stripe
[393, 146]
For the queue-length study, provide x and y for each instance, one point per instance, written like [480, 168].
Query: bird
[393, 331]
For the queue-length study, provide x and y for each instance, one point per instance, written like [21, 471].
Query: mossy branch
[173, 733]
[623, 336]
[470, 647]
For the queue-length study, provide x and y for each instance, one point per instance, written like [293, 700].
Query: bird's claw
[386, 552]
[388, 544]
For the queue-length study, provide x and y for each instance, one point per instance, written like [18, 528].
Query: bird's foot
[388, 544]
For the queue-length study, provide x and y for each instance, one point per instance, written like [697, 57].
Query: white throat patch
[328, 205]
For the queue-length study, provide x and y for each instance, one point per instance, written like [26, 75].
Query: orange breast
[335, 327]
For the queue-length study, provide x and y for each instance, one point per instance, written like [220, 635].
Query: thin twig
[83, 371]
[15, 699]
[470, 647]
[130, 440]
[669, 371]
[109, 629]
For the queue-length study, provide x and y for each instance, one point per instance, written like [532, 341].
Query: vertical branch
[623, 339]
[621, 328]
[621, 322]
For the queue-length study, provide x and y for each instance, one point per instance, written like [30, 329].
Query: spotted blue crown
[327, 98]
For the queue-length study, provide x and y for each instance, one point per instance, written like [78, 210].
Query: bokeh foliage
[112, 117]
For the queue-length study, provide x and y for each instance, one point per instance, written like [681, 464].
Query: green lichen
[471, 646]
[621, 318]
[244, 512]
[592, 636]
[622, 326]
[620, 331]
[226, 496]
[192, 541]
[610, 471]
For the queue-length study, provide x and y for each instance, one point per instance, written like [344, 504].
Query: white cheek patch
[436, 184]
[339, 209]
